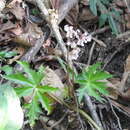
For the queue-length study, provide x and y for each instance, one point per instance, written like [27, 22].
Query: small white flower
[89, 38]
[69, 31]
[73, 45]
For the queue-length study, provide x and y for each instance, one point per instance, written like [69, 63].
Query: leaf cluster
[91, 81]
[30, 85]
[106, 14]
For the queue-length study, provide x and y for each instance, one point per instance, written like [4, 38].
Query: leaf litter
[18, 31]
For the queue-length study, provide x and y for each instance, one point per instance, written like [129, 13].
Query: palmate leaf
[19, 78]
[31, 86]
[46, 89]
[5, 54]
[34, 76]
[24, 91]
[100, 75]
[90, 82]
[33, 110]
[44, 100]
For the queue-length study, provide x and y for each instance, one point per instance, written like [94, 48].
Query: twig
[99, 31]
[108, 61]
[28, 57]
[118, 120]
[91, 53]
[92, 109]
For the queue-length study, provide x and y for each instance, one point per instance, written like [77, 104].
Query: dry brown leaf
[7, 26]
[73, 15]
[16, 10]
[17, 31]
[12, 3]
[112, 85]
[20, 51]
[29, 36]
[86, 14]
[52, 79]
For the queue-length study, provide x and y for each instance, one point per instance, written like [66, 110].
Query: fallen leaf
[20, 51]
[86, 14]
[53, 80]
[29, 36]
[16, 10]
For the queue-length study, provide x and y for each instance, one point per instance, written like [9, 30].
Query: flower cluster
[76, 39]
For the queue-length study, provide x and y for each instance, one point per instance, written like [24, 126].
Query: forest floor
[22, 26]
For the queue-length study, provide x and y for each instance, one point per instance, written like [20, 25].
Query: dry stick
[118, 120]
[55, 28]
[102, 30]
[92, 109]
[91, 53]
[31, 52]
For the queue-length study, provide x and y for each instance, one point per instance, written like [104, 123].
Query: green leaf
[33, 110]
[5, 54]
[44, 101]
[112, 25]
[10, 108]
[93, 6]
[24, 91]
[34, 76]
[7, 69]
[46, 88]
[101, 87]
[18, 78]
[100, 76]
[80, 93]
[90, 82]
[102, 19]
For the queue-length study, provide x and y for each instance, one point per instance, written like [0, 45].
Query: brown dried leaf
[13, 2]
[20, 51]
[16, 10]
[7, 26]
[86, 14]
[112, 85]
[29, 36]
[73, 15]
[52, 79]
[17, 31]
